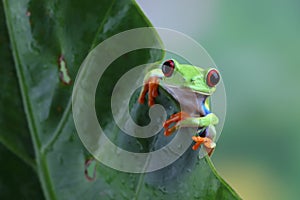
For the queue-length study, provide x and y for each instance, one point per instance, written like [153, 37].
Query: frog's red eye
[212, 78]
[168, 68]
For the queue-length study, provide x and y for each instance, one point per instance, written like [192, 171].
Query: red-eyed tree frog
[191, 86]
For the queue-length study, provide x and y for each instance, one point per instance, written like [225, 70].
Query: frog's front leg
[183, 119]
[150, 86]
[175, 118]
[209, 119]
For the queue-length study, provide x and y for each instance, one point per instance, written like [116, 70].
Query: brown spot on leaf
[59, 108]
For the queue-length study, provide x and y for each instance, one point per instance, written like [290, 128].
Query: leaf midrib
[42, 167]
[40, 151]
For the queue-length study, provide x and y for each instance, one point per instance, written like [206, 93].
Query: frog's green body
[182, 79]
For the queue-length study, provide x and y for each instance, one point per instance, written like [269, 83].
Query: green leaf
[17, 180]
[187, 178]
[48, 41]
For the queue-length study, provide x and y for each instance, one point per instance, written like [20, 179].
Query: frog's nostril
[196, 81]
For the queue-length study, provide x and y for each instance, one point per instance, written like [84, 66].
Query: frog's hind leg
[209, 151]
[174, 119]
[207, 142]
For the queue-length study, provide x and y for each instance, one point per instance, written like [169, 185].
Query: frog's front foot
[150, 86]
[175, 118]
[207, 142]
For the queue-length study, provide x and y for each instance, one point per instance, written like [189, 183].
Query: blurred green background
[256, 45]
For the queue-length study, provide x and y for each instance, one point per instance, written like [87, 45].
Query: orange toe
[196, 146]
[169, 131]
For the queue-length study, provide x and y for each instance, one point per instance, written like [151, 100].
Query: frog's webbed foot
[150, 86]
[175, 118]
[207, 142]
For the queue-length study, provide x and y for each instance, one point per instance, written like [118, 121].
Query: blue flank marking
[206, 112]
[204, 108]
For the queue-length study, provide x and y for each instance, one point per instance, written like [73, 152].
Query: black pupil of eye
[213, 78]
[167, 69]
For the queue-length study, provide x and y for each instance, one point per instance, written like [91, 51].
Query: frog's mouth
[202, 93]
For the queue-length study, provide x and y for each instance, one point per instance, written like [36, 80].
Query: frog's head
[199, 80]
